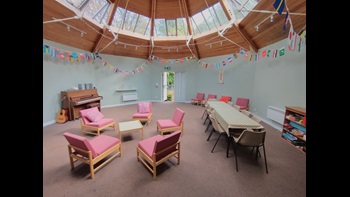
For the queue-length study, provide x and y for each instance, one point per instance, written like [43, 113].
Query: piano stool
[91, 105]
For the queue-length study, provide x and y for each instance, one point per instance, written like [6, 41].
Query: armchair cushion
[165, 123]
[100, 123]
[94, 115]
[224, 99]
[144, 107]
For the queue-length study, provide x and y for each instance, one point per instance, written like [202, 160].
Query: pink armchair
[156, 150]
[242, 103]
[210, 96]
[198, 99]
[92, 151]
[144, 112]
[93, 120]
[169, 125]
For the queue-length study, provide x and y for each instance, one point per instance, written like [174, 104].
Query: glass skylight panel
[130, 21]
[159, 27]
[243, 5]
[118, 17]
[195, 27]
[220, 14]
[142, 25]
[97, 9]
[200, 22]
[210, 18]
[77, 3]
[181, 27]
[171, 27]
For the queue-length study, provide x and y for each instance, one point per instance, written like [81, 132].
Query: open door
[164, 86]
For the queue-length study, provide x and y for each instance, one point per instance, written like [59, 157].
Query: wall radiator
[130, 96]
[275, 114]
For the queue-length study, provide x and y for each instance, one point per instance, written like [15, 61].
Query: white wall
[277, 82]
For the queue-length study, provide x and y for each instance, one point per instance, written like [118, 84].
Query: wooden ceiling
[243, 33]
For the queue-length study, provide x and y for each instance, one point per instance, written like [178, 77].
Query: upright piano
[75, 100]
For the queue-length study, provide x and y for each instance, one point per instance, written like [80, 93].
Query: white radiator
[130, 96]
[275, 114]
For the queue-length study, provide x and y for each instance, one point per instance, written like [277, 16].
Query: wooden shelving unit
[294, 127]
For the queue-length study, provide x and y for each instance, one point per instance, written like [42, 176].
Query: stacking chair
[92, 151]
[156, 150]
[144, 112]
[199, 97]
[174, 124]
[217, 128]
[249, 138]
[256, 119]
[242, 103]
[245, 112]
[92, 121]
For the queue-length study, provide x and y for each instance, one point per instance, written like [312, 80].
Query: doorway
[168, 81]
[174, 86]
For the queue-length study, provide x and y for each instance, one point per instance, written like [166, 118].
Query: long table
[230, 118]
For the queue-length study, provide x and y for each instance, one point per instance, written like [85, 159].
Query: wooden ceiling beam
[189, 25]
[153, 10]
[229, 14]
[111, 13]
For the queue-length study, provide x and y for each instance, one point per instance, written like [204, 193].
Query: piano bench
[91, 105]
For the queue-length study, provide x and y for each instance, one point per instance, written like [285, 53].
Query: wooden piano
[75, 100]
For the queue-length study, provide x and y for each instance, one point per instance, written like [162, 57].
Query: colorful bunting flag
[279, 6]
[281, 51]
[263, 53]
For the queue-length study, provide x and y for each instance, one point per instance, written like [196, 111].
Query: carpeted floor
[200, 173]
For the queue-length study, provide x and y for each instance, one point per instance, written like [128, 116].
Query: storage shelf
[125, 90]
[299, 142]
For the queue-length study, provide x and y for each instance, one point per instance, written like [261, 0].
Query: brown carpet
[200, 173]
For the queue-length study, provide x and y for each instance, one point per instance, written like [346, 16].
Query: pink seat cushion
[165, 123]
[102, 143]
[141, 115]
[94, 114]
[158, 143]
[101, 122]
[147, 145]
[144, 107]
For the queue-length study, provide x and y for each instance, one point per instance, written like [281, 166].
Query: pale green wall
[277, 82]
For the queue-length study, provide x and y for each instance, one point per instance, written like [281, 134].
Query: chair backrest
[90, 113]
[144, 107]
[80, 142]
[215, 123]
[178, 116]
[211, 96]
[225, 98]
[200, 96]
[251, 138]
[256, 119]
[242, 102]
[165, 142]
[245, 112]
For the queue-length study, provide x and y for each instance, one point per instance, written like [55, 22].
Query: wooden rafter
[153, 10]
[189, 26]
[109, 22]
